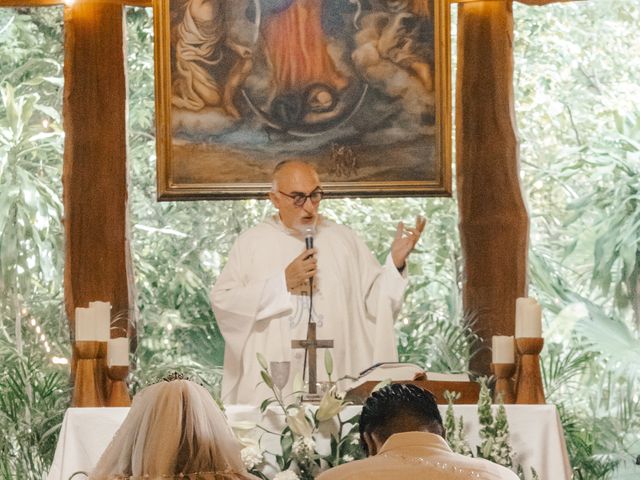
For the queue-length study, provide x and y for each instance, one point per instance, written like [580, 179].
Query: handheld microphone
[308, 236]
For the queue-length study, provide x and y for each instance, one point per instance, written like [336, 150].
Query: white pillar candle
[502, 350]
[118, 351]
[521, 304]
[85, 325]
[528, 318]
[102, 314]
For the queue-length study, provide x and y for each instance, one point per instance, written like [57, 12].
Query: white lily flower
[299, 423]
[330, 405]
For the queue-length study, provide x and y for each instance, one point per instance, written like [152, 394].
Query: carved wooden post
[94, 176]
[493, 218]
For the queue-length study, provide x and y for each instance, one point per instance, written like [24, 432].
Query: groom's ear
[372, 448]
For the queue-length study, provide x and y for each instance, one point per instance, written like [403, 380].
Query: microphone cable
[306, 347]
[308, 240]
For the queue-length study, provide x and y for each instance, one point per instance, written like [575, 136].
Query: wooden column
[95, 174]
[494, 224]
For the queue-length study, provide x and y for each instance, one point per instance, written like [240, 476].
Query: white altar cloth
[535, 431]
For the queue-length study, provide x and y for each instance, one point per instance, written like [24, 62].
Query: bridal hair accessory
[175, 376]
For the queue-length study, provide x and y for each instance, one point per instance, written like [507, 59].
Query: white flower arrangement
[286, 475]
[251, 456]
[300, 460]
[494, 432]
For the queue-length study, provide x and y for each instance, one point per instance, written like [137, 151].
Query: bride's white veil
[173, 427]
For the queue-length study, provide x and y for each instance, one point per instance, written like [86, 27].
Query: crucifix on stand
[311, 345]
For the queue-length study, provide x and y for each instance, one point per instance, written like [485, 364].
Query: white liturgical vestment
[354, 304]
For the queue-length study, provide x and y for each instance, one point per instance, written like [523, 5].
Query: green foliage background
[577, 88]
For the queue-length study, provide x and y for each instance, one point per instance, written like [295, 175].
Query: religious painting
[358, 88]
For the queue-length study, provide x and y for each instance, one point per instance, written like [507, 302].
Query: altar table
[535, 431]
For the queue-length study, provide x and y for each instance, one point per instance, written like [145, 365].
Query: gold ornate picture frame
[361, 89]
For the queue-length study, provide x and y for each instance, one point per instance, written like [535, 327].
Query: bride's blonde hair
[173, 428]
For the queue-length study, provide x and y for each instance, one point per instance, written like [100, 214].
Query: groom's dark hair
[399, 408]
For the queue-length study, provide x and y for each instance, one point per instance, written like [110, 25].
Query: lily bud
[328, 362]
[262, 361]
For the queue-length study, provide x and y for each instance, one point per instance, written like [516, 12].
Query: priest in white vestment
[261, 299]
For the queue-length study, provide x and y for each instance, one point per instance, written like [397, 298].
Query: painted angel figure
[213, 55]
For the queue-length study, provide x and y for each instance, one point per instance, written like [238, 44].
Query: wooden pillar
[95, 176]
[494, 225]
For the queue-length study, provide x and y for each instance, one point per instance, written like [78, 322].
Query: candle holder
[504, 386]
[118, 391]
[529, 389]
[88, 388]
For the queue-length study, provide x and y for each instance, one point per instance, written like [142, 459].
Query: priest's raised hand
[405, 241]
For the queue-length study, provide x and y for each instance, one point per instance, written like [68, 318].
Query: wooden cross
[311, 344]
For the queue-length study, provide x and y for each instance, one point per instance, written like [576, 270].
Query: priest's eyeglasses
[300, 198]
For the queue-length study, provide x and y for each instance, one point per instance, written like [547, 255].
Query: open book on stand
[395, 372]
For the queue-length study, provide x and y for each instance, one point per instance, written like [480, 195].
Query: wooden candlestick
[118, 391]
[529, 389]
[503, 373]
[88, 389]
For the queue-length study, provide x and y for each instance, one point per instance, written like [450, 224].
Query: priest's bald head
[296, 193]
[397, 408]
